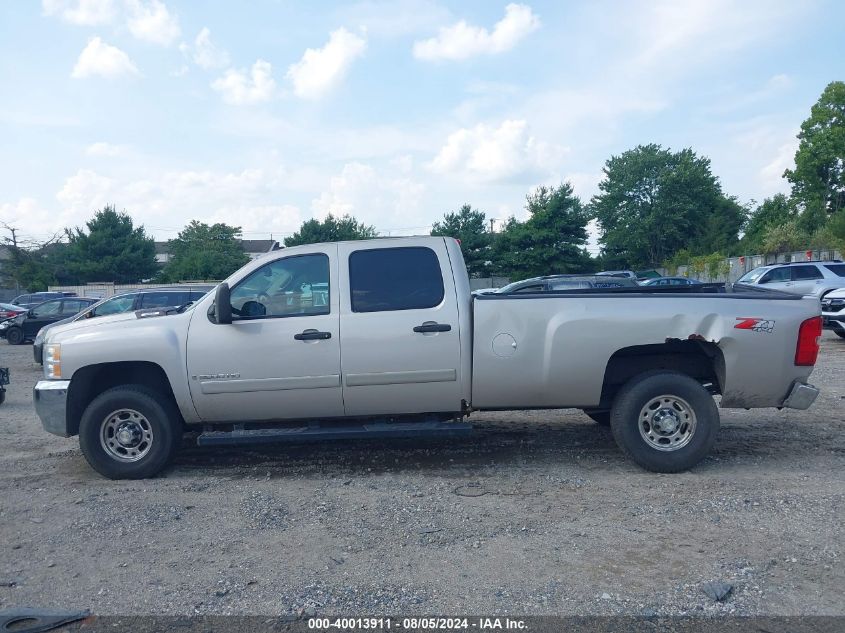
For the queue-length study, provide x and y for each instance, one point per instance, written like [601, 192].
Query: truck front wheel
[130, 432]
[665, 421]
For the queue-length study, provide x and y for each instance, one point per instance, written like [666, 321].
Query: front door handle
[431, 326]
[312, 335]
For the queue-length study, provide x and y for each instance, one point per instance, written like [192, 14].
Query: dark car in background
[670, 281]
[552, 283]
[34, 298]
[138, 299]
[9, 310]
[25, 326]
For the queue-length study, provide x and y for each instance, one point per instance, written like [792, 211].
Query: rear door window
[800, 273]
[387, 279]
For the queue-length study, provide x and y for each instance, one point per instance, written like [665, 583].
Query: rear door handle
[312, 335]
[431, 326]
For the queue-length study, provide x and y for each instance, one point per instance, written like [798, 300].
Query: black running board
[364, 430]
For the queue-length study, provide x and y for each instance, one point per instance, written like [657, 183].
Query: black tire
[599, 416]
[839, 333]
[14, 336]
[160, 416]
[2, 396]
[625, 422]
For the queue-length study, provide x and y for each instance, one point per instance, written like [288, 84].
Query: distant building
[253, 248]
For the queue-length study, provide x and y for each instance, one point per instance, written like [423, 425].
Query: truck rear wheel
[665, 421]
[130, 432]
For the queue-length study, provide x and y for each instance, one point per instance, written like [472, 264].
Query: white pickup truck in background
[383, 338]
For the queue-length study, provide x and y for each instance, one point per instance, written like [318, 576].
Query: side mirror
[222, 304]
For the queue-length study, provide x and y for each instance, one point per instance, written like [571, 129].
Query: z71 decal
[755, 325]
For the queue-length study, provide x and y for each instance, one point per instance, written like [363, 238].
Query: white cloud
[164, 201]
[387, 200]
[85, 192]
[80, 12]
[99, 58]
[238, 88]
[152, 22]
[771, 175]
[394, 18]
[320, 69]
[462, 40]
[492, 153]
[106, 149]
[204, 53]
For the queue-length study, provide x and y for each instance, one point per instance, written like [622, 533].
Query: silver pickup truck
[383, 338]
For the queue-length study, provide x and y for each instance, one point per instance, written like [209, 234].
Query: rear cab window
[390, 279]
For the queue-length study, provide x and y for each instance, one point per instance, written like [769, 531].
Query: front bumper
[50, 397]
[801, 396]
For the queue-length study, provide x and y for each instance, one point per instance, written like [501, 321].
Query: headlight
[53, 361]
[4, 325]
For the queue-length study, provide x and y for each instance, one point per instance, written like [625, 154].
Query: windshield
[751, 276]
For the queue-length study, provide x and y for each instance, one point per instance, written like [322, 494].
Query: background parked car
[670, 281]
[800, 278]
[833, 312]
[629, 274]
[24, 326]
[550, 283]
[34, 298]
[9, 310]
[140, 299]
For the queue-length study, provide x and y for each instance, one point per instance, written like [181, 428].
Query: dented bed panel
[552, 351]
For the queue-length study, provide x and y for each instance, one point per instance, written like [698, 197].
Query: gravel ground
[536, 513]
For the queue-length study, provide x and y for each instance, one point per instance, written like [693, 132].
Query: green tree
[783, 238]
[470, 227]
[205, 252]
[331, 229]
[654, 202]
[818, 179]
[773, 211]
[552, 240]
[113, 249]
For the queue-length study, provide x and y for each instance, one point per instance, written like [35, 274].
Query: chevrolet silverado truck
[383, 338]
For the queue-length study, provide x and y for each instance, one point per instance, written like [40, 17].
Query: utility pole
[491, 224]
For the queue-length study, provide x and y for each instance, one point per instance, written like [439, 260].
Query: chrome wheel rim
[667, 423]
[126, 435]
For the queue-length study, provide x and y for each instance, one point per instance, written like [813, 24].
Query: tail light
[807, 349]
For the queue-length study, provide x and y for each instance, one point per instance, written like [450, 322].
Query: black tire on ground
[14, 336]
[599, 416]
[667, 392]
[839, 333]
[153, 414]
[2, 396]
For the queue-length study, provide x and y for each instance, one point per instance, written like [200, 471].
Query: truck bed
[552, 349]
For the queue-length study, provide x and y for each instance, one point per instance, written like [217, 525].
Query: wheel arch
[90, 381]
[701, 360]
